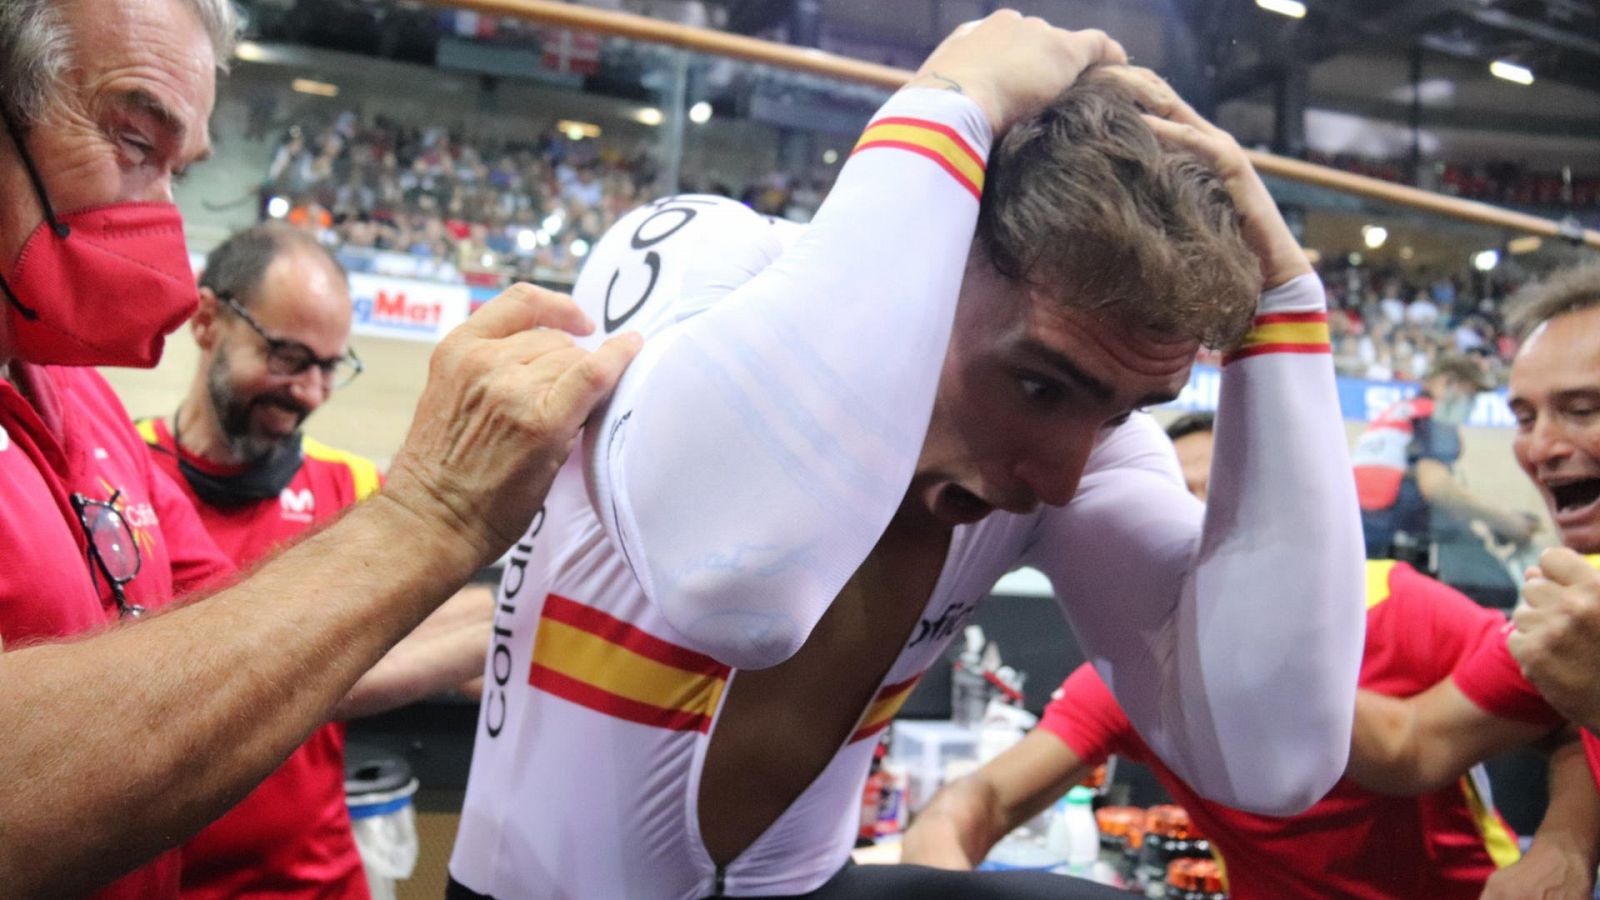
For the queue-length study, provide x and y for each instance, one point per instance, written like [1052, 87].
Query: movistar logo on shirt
[297, 506]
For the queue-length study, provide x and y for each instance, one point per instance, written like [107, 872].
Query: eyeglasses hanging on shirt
[113, 548]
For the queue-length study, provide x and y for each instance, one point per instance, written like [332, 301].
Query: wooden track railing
[717, 43]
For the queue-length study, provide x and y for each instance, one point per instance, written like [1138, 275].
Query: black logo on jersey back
[674, 213]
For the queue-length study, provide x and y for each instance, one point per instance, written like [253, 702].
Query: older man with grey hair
[130, 720]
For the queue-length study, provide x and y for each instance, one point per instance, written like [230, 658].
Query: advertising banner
[1359, 399]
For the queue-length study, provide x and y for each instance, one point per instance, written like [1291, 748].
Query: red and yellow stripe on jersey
[1378, 589]
[1498, 841]
[1305, 332]
[363, 473]
[938, 142]
[596, 660]
[883, 707]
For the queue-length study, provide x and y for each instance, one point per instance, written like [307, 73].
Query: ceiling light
[1486, 260]
[829, 157]
[1525, 244]
[577, 131]
[249, 51]
[315, 88]
[1512, 72]
[580, 247]
[700, 113]
[1294, 9]
[277, 207]
[1374, 236]
[648, 116]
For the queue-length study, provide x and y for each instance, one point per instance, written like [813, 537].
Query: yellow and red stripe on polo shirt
[938, 142]
[883, 707]
[1304, 332]
[596, 660]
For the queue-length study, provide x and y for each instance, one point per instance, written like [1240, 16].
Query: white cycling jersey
[754, 454]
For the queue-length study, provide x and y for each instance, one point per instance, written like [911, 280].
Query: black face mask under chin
[261, 480]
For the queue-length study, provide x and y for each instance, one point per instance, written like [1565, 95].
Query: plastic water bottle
[1074, 836]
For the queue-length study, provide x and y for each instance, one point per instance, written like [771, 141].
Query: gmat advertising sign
[405, 308]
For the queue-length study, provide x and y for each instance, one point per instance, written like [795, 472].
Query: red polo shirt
[1353, 843]
[74, 438]
[291, 836]
[1492, 679]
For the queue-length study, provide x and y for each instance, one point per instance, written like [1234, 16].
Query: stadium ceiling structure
[1558, 39]
[1217, 51]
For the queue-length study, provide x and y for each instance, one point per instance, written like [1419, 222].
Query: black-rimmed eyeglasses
[290, 358]
[113, 548]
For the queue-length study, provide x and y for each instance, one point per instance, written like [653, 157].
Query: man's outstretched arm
[1440, 488]
[443, 653]
[124, 743]
[967, 817]
[1414, 745]
[1560, 865]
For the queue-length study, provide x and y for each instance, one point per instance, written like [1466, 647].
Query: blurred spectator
[1379, 336]
[437, 202]
[452, 203]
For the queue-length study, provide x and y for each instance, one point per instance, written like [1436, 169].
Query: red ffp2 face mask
[98, 287]
[108, 293]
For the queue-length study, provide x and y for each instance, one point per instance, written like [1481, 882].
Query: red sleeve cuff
[1491, 678]
[1086, 717]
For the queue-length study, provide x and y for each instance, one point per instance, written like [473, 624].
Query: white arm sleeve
[1234, 646]
[756, 450]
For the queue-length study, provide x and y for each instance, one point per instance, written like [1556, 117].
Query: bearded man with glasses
[273, 328]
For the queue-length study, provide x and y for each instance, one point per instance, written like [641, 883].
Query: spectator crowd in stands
[1389, 327]
[431, 202]
[487, 210]
[517, 208]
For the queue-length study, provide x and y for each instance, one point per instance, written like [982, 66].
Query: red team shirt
[1353, 843]
[291, 836]
[75, 438]
[1492, 676]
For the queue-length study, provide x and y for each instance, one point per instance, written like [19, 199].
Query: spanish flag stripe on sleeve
[937, 127]
[1289, 333]
[935, 141]
[1285, 333]
[595, 660]
[1299, 317]
[883, 708]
